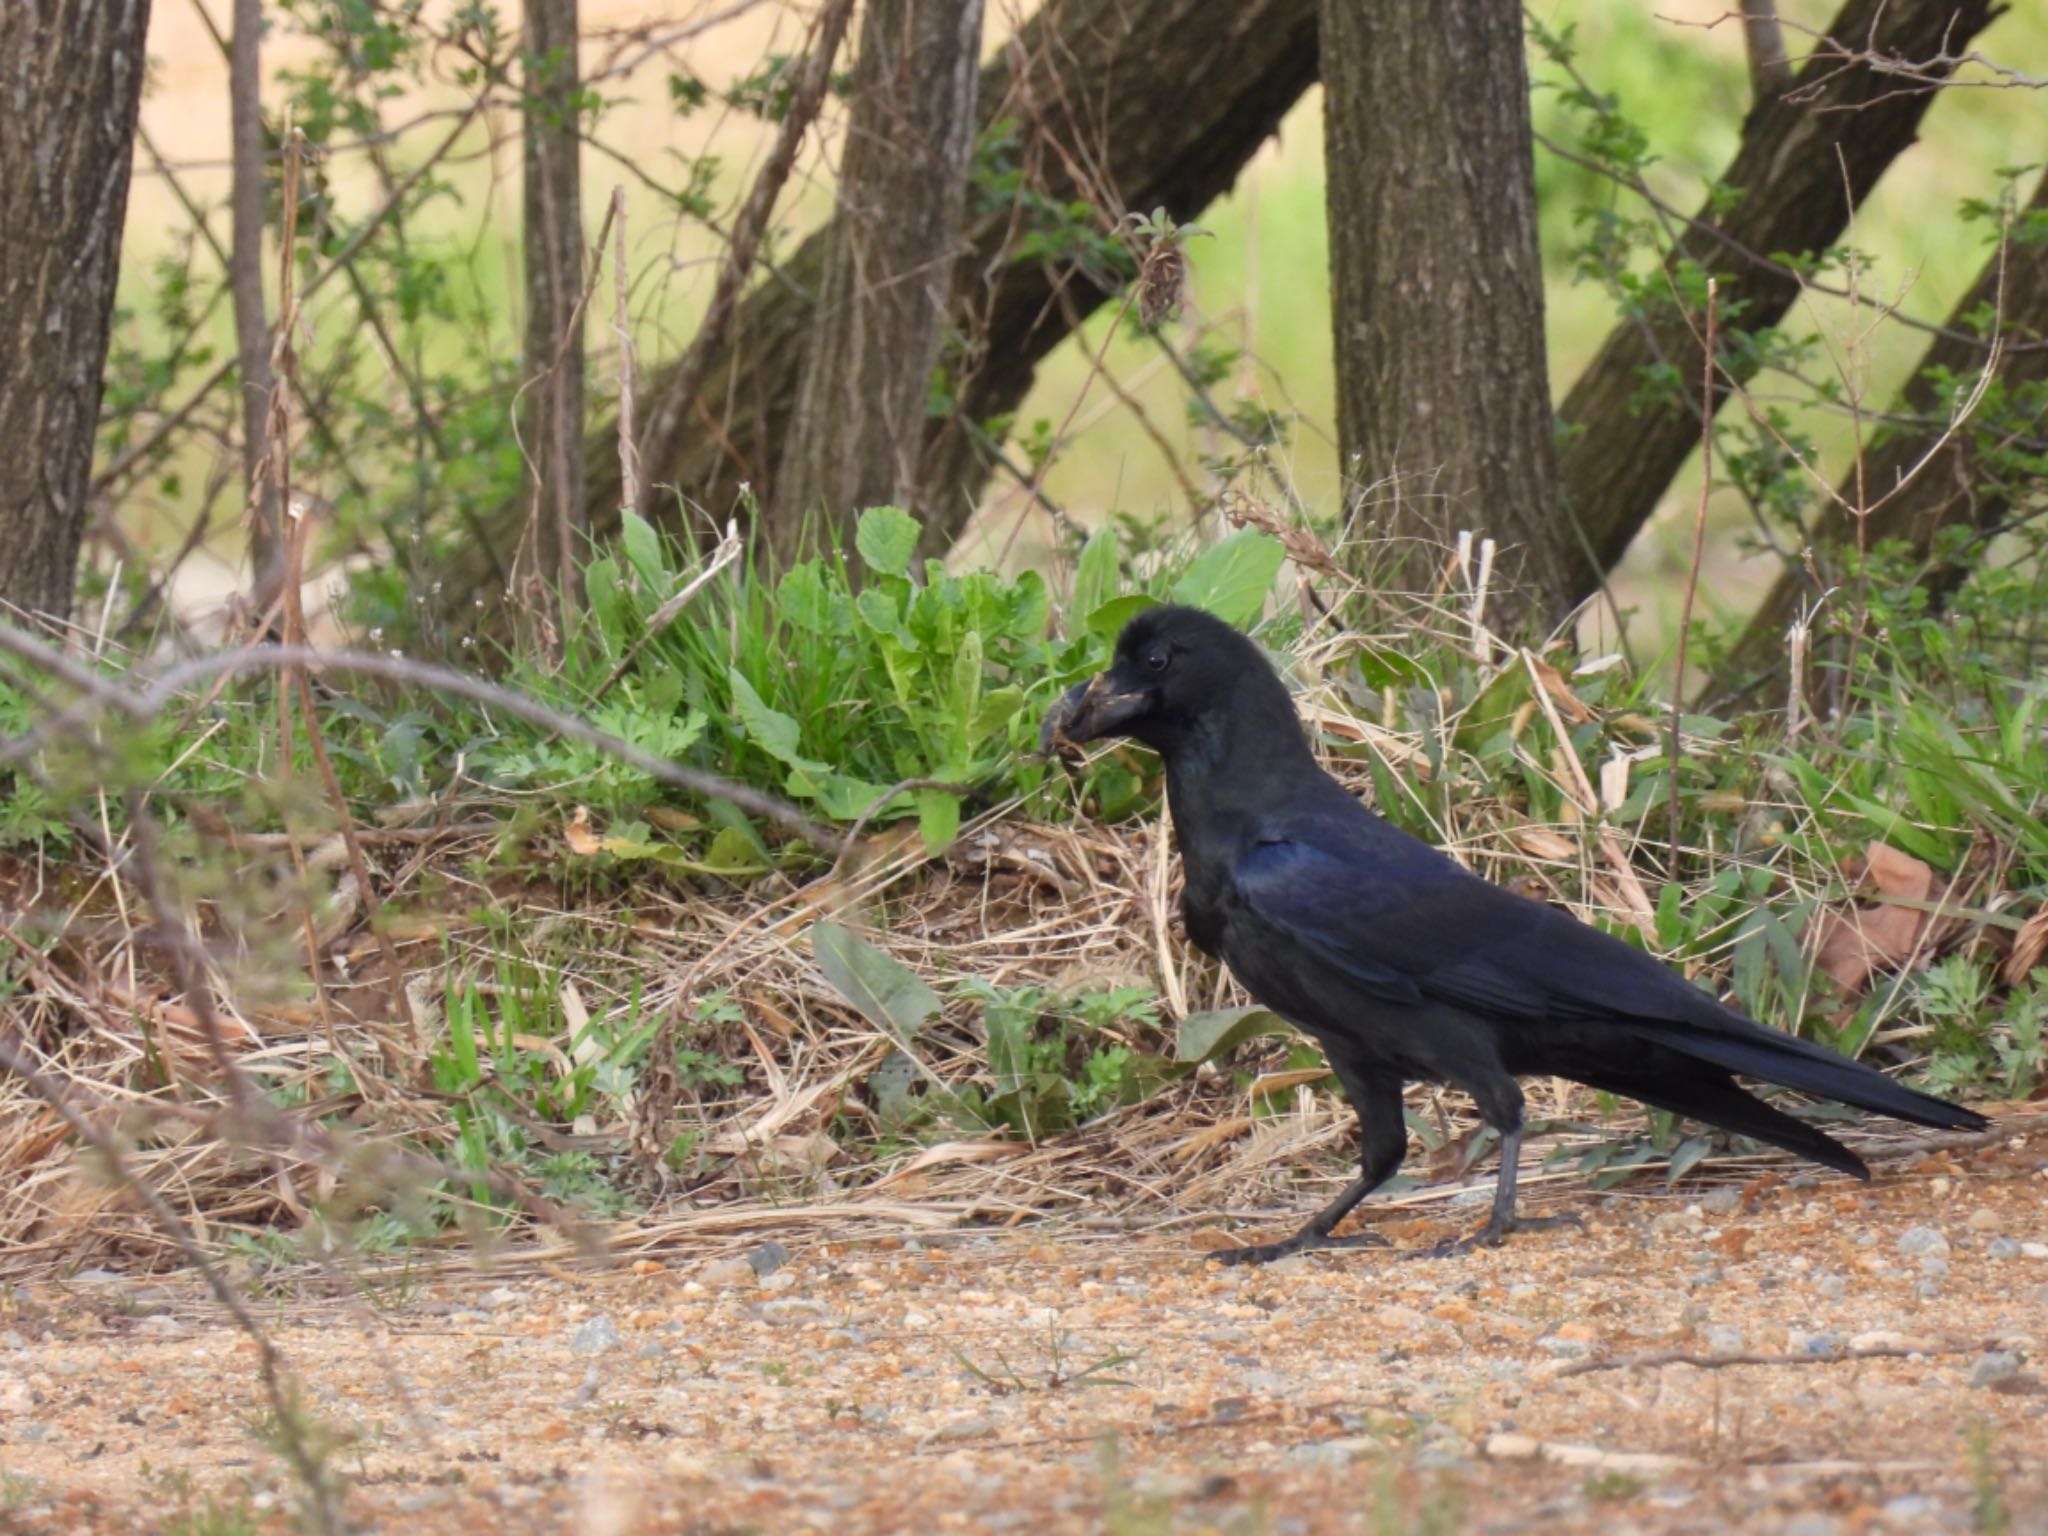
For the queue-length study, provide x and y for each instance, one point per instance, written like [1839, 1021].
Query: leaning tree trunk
[73, 72]
[1128, 104]
[1443, 401]
[1950, 484]
[552, 189]
[857, 436]
[1808, 157]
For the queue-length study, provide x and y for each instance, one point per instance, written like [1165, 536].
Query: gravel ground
[1053, 1382]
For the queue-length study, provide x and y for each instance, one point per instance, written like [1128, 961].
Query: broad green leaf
[802, 599]
[769, 729]
[886, 539]
[644, 552]
[840, 795]
[601, 591]
[1384, 667]
[731, 853]
[1204, 1036]
[1108, 620]
[1231, 579]
[1095, 571]
[1495, 709]
[938, 818]
[890, 1084]
[1008, 1029]
[883, 989]
[1686, 1156]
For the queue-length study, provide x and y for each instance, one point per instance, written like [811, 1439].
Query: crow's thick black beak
[1087, 711]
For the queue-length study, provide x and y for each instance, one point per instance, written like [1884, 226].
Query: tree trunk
[74, 82]
[1437, 291]
[1951, 488]
[248, 196]
[553, 240]
[1156, 103]
[1808, 157]
[857, 435]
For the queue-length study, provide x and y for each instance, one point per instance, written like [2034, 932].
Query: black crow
[1403, 965]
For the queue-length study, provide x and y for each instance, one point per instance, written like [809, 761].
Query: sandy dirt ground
[1058, 1381]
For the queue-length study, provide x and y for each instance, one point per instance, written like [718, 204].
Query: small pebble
[1916, 1510]
[2001, 1247]
[1834, 1287]
[596, 1337]
[788, 1311]
[1928, 1290]
[1724, 1340]
[1994, 1367]
[1915, 1242]
[768, 1258]
[727, 1272]
[1934, 1266]
[2034, 1250]
[780, 1280]
[1981, 1220]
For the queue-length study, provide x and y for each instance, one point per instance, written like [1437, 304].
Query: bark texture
[1952, 487]
[1808, 156]
[857, 437]
[70, 84]
[553, 247]
[247, 198]
[1443, 399]
[1130, 104]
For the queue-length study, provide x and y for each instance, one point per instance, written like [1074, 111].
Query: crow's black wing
[1401, 921]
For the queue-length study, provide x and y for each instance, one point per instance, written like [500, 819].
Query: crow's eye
[1158, 661]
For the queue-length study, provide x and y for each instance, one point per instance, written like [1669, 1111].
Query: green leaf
[938, 818]
[1108, 620]
[1231, 579]
[803, 599]
[644, 552]
[601, 591]
[841, 796]
[1686, 1156]
[731, 853]
[1095, 572]
[889, 1086]
[1008, 1028]
[1204, 1036]
[769, 729]
[887, 538]
[887, 994]
[1495, 708]
[1386, 668]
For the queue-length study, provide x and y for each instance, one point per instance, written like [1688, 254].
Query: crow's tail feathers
[1794, 1063]
[1714, 1097]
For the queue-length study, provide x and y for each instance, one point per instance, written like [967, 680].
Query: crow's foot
[1305, 1241]
[1496, 1232]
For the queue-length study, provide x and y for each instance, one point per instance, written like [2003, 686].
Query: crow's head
[1180, 674]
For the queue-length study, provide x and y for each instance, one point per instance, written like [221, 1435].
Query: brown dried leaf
[1574, 709]
[2029, 947]
[1853, 943]
[1542, 843]
[582, 842]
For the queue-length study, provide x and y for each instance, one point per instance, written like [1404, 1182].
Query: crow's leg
[1385, 1139]
[1503, 1111]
